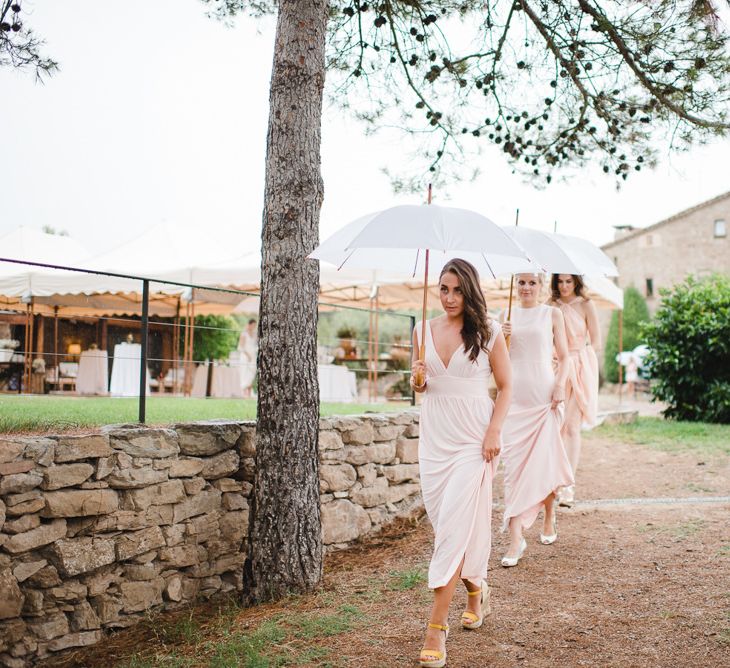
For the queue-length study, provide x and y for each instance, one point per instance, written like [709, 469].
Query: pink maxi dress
[582, 386]
[456, 480]
[535, 462]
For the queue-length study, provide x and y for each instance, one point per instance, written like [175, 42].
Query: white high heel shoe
[508, 562]
[549, 539]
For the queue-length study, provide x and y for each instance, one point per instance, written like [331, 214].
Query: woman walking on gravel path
[581, 403]
[535, 463]
[458, 448]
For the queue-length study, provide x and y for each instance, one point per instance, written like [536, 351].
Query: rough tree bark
[285, 553]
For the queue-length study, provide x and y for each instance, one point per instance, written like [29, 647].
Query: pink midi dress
[535, 462]
[582, 385]
[456, 480]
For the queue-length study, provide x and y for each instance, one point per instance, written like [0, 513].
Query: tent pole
[175, 347]
[191, 354]
[186, 334]
[620, 350]
[55, 339]
[376, 346]
[512, 283]
[370, 352]
[28, 359]
[40, 339]
[26, 350]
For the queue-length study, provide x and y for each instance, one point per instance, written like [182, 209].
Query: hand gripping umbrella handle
[419, 378]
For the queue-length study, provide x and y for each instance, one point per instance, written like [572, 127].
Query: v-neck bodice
[433, 344]
[461, 376]
[576, 330]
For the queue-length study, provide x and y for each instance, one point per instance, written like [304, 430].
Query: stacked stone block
[95, 530]
[368, 474]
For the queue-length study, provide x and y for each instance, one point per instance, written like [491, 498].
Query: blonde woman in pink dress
[535, 463]
[459, 444]
[583, 333]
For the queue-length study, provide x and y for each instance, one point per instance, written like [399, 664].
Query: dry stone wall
[95, 530]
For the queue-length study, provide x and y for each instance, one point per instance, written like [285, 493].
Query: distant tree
[689, 343]
[636, 314]
[19, 47]
[215, 336]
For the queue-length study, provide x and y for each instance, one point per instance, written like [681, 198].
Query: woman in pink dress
[459, 443]
[581, 401]
[535, 463]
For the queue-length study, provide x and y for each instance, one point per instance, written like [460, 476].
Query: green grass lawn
[56, 413]
[670, 435]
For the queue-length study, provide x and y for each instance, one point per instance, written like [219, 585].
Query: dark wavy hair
[577, 281]
[476, 331]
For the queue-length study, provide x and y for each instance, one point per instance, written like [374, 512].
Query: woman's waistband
[453, 386]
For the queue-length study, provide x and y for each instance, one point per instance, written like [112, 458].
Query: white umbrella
[395, 241]
[588, 255]
[625, 356]
[640, 352]
[401, 239]
[561, 254]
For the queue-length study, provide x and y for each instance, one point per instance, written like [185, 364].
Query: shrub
[636, 313]
[690, 350]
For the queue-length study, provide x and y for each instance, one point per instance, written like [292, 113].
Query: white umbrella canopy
[625, 356]
[640, 352]
[588, 253]
[395, 240]
[562, 254]
[611, 295]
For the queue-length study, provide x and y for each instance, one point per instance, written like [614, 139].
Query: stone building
[694, 241]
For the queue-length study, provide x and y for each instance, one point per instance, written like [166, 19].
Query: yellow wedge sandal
[468, 619]
[434, 658]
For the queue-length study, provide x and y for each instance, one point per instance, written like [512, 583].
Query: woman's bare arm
[560, 342]
[502, 370]
[594, 330]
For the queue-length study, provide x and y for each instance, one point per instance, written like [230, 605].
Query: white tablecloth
[125, 370]
[337, 383]
[225, 384]
[93, 374]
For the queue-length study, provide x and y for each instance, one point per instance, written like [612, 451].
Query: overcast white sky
[159, 114]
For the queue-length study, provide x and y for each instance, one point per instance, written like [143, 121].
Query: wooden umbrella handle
[511, 287]
[509, 308]
[419, 378]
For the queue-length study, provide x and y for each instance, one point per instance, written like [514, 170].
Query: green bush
[215, 336]
[690, 350]
[636, 313]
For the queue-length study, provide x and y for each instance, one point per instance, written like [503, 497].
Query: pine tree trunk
[285, 537]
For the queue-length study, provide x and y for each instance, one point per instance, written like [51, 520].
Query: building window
[720, 228]
[650, 240]
[649, 287]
